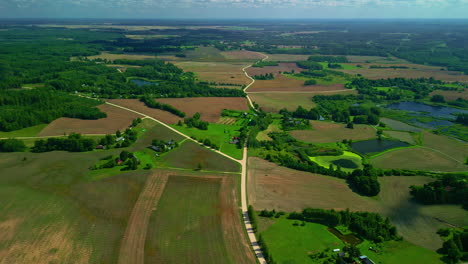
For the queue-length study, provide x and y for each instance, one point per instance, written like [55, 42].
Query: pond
[428, 110]
[345, 163]
[141, 82]
[375, 145]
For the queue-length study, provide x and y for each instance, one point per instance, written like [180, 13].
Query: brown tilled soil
[283, 83]
[242, 55]
[326, 132]
[132, 248]
[140, 107]
[282, 67]
[219, 72]
[117, 119]
[452, 95]
[210, 108]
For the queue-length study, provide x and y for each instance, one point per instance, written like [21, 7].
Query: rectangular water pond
[375, 145]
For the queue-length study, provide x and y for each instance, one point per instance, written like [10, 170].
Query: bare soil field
[327, 132]
[242, 55]
[117, 119]
[210, 108]
[273, 102]
[401, 135]
[138, 106]
[282, 67]
[219, 72]
[414, 71]
[417, 158]
[283, 83]
[452, 95]
[287, 57]
[275, 187]
[111, 57]
[132, 247]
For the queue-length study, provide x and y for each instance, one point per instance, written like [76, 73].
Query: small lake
[141, 82]
[375, 145]
[428, 110]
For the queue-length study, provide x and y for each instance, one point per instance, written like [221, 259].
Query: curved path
[252, 80]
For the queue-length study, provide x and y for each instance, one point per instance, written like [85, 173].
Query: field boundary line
[132, 248]
[52, 136]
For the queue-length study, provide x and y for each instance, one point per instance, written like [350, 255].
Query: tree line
[150, 102]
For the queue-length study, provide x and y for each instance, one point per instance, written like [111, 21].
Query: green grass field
[25, 132]
[188, 229]
[326, 161]
[293, 244]
[219, 134]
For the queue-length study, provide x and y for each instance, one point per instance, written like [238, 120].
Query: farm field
[416, 158]
[197, 229]
[219, 134]
[349, 161]
[210, 108]
[398, 125]
[283, 83]
[190, 154]
[242, 55]
[401, 135]
[451, 95]
[273, 102]
[375, 59]
[218, 71]
[450, 147]
[282, 67]
[286, 57]
[136, 105]
[111, 57]
[25, 132]
[293, 244]
[117, 119]
[328, 132]
[275, 187]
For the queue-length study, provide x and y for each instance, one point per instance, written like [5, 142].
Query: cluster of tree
[196, 122]
[365, 181]
[12, 145]
[310, 82]
[301, 112]
[73, 143]
[370, 226]
[309, 65]
[455, 247]
[291, 123]
[163, 146]
[334, 66]
[449, 189]
[329, 59]
[272, 213]
[462, 119]
[25, 108]
[107, 140]
[460, 102]
[438, 98]
[150, 102]
[128, 137]
[259, 122]
[266, 76]
[125, 158]
[262, 64]
[252, 217]
[207, 142]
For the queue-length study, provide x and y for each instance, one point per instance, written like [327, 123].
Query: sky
[233, 9]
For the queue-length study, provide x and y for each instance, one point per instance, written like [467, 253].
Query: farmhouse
[234, 140]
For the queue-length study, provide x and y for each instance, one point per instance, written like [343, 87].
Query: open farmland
[287, 57]
[282, 67]
[117, 119]
[327, 132]
[401, 135]
[413, 71]
[136, 105]
[375, 59]
[189, 155]
[285, 84]
[111, 57]
[275, 187]
[451, 95]
[219, 72]
[417, 158]
[398, 125]
[450, 147]
[242, 55]
[204, 227]
[210, 108]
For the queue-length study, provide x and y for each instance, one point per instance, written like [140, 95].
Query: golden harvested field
[414, 71]
[273, 102]
[286, 57]
[136, 105]
[210, 108]
[219, 72]
[452, 95]
[117, 119]
[283, 83]
[327, 132]
[275, 187]
[111, 57]
[282, 67]
[417, 158]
